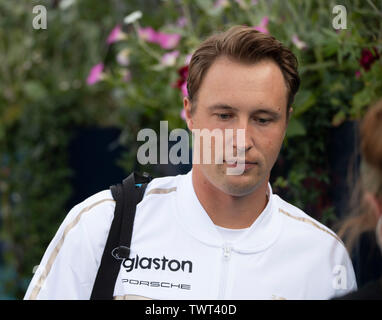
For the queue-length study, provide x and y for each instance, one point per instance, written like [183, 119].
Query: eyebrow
[263, 109]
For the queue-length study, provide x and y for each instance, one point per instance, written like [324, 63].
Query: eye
[263, 120]
[224, 116]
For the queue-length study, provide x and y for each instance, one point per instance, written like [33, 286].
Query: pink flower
[357, 74]
[95, 74]
[187, 59]
[126, 75]
[368, 57]
[183, 88]
[181, 83]
[298, 43]
[168, 40]
[262, 27]
[116, 35]
[221, 3]
[241, 4]
[148, 34]
[169, 58]
[183, 114]
[165, 40]
[181, 22]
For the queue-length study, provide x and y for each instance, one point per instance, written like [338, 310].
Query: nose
[243, 138]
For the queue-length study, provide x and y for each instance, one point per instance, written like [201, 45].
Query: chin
[240, 185]
[237, 185]
[234, 185]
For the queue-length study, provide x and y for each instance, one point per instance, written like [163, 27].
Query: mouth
[235, 163]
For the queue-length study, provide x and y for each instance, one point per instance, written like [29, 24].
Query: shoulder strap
[127, 195]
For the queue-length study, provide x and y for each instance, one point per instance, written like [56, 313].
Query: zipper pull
[227, 252]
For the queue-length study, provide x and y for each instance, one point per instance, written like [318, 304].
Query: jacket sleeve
[343, 276]
[70, 263]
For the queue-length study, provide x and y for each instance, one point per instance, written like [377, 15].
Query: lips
[239, 162]
[234, 163]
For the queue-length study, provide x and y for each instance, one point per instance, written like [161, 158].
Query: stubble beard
[237, 185]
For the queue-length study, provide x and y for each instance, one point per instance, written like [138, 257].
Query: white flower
[134, 16]
[169, 58]
[123, 57]
[65, 4]
[298, 43]
[187, 59]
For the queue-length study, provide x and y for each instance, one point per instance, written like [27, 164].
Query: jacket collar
[195, 220]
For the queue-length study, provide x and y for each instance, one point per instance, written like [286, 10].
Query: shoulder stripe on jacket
[161, 190]
[306, 220]
[57, 249]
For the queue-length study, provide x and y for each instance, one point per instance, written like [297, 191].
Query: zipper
[227, 251]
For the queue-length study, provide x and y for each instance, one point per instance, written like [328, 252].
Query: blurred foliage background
[123, 64]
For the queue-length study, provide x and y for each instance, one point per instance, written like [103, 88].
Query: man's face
[235, 96]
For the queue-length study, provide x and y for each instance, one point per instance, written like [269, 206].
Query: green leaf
[337, 87]
[304, 100]
[317, 66]
[11, 114]
[335, 102]
[34, 90]
[280, 182]
[158, 67]
[208, 7]
[295, 128]
[360, 100]
[338, 118]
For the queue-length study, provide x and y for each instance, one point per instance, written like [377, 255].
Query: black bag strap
[127, 195]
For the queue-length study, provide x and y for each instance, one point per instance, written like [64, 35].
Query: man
[209, 234]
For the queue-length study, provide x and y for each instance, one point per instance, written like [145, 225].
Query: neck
[234, 212]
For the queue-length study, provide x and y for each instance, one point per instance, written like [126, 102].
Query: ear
[287, 121]
[374, 203]
[290, 113]
[187, 110]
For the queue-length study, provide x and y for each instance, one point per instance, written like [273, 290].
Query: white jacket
[178, 253]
